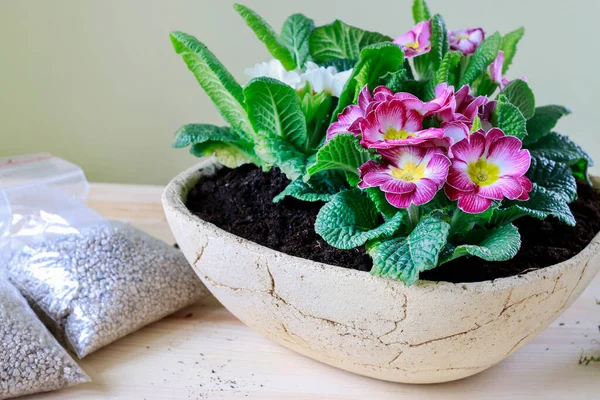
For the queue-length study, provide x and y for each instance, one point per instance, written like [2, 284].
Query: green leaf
[499, 244]
[321, 187]
[509, 47]
[294, 34]
[439, 41]
[510, 120]
[275, 150]
[521, 96]
[485, 54]
[216, 81]
[342, 152]
[387, 210]
[350, 219]
[274, 108]
[338, 40]
[276, 46]
[375, 62]
[395, 80]
[420, 11]
[230, 154]
[485, 85]
[462, 222]
[559, 148]
[476, 124]
[340, 64]
[543, 121]
[198, 133]
[553, 176]
[405, 257]
[541, 204]
[448, 70]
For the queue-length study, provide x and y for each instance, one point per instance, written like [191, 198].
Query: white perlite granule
[31, 360]
[103, 283]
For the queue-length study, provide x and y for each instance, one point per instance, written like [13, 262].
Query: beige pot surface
[429, 332]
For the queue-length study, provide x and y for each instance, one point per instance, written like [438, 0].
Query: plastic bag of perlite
[92, 280]
[31, 360]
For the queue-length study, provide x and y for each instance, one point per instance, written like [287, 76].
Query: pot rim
[179, 186]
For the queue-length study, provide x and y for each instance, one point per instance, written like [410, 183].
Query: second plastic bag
[91, 280]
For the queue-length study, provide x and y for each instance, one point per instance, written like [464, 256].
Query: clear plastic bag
[31, 360]
[91, 280]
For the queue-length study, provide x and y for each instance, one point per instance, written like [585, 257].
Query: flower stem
[413, 215]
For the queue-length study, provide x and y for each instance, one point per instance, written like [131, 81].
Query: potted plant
[416, 160]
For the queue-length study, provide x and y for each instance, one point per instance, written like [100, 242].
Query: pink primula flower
[495, 70]
[392, 124]
[466, 40]
[348, 120]
[407, 175]
[416, 41]
[487, 167]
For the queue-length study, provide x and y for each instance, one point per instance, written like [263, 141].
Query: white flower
[274, 69]
[323, 79]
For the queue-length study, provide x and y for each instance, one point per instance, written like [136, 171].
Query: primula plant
[420, 147]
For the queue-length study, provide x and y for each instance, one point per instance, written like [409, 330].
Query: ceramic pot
[428, 332]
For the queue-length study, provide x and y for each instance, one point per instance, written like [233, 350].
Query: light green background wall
[97, 82]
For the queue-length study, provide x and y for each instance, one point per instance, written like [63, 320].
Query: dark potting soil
[240, 201]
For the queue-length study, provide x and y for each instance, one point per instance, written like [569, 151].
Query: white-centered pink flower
[407, 175]
[417, 41]
[392, 123]
[487, 167]
[466, 40]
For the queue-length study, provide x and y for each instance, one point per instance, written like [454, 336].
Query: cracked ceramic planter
[429, 332]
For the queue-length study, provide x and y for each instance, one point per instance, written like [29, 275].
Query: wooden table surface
[204, 352]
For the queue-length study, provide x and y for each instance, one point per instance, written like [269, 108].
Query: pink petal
[399, 200]
[398, 186]
[452, 193]
[459, 178]
[390, 115]
[373, 174]
[345, 119]
[471, 203]
[510, 187]
[398, 156]
[426, 190]
[437, 169]
[493, 135]
[506, 153]
[493, 192]
[471, 149]
[364, 98]
[414, 121]
[382, 93]
[455, 130]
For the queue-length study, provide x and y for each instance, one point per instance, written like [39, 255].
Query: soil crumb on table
[240, 201]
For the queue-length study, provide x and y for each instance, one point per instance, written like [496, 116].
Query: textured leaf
[476, 124]
[439, 41]
[276, 46]
[229, 154]
[343, 152]
[405, 257]
[338, 40]
[395, 80]
[541, 204]
[559, 148]
[543, 121]
[387, 210]
[510, 120]
[485, 54]
[275, 150]
[340, 64]
[198, 133]
[274, 108]
[216, 81]
[499, 244]
[463, 223]
[509, 46]
[448, 70]
[521, 96]
[374, 63]
[420, 11]
[321, 187]
[294, 34]
[553, 176]
[350, 219]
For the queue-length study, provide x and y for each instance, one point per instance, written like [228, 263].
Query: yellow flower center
[462, 37]
[413, 45]
[483, 173]
[410, 173]
[395, 134]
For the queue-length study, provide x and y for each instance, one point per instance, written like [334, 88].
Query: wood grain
[204, 352]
